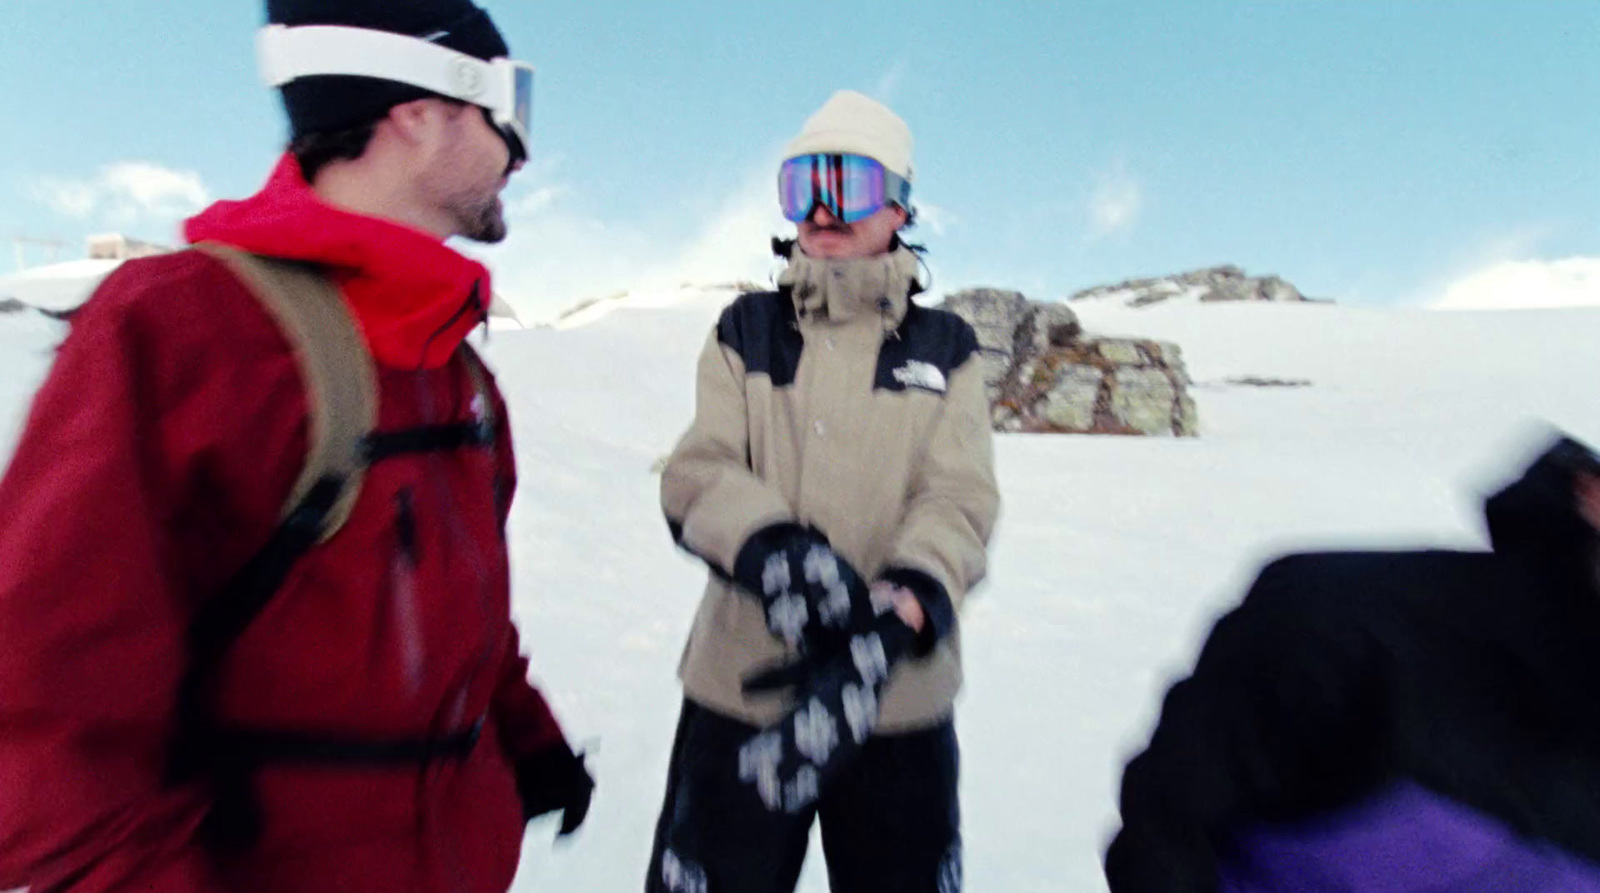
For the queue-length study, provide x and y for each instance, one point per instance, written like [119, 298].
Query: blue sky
[1375, 152]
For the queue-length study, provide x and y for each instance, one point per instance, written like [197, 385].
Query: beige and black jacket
[837, 403]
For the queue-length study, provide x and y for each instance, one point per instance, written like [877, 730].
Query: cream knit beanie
[852, 124]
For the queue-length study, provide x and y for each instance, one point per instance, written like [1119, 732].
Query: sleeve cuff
[751, 561]
[936, 605]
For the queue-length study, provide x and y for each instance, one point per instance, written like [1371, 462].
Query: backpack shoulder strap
[338, 372]
[340, 382]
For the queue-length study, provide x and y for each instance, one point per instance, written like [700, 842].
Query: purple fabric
[1406, 840]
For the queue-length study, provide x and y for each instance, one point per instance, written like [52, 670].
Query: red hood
[412, 296]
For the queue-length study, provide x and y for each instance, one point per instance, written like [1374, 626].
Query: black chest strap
[381, 446]
[260, 747]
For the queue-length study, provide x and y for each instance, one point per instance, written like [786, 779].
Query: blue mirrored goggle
[850, 187]
[521, 119]
[513, 114]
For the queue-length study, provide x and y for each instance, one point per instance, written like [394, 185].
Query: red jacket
[154, 463]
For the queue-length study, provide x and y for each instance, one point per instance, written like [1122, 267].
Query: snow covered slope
[58, 287]
[1112, 557]
[64, 286]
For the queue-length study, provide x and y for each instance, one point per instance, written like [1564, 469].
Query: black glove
[555, 779]
[812, 596]
[789, 763]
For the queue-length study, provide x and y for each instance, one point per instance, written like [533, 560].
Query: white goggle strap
[286, 54]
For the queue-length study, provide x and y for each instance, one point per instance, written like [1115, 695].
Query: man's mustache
[842, 229]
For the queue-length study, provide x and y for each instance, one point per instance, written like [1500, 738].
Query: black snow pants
[890, 824]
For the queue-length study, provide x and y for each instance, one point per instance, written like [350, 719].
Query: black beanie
[328, 103]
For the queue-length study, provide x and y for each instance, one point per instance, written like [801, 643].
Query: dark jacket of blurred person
[1394, 721]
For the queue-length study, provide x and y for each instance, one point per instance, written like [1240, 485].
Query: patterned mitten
[811, 595]
[789, 763]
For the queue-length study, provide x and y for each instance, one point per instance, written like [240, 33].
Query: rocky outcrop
[1045, 374]
[1225, 283]
[1101, 386]
[1010, 328]
[12, 305]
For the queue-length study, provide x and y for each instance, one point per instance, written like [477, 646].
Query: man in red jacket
[380, 732]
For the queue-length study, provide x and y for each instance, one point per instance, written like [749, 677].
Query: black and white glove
[811, 595]
[837, 692]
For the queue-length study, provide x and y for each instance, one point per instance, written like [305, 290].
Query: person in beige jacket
[838, 479]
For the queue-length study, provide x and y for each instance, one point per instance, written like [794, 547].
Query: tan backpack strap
[335, 366]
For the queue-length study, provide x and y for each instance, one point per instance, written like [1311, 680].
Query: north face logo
[917, 374]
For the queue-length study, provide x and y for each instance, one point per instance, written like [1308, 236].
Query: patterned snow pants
[890, 824]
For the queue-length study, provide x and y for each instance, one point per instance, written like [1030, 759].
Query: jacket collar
[842, 291]
[414, 298]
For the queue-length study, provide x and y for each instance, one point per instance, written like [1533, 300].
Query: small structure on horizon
[116, 246]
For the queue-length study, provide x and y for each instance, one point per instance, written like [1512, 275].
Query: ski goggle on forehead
[851, 187]
[501, 87]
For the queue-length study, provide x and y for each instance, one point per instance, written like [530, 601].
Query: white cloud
[154, 188]
[1117, 202]
[734, 244]
[558, 255]
[936, 218]
[535, 201]
[889, 84]
[75, 200]
[126, 193]
[1521, 284]
[1522, 243]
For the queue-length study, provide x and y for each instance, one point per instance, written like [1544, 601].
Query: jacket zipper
[449, 865]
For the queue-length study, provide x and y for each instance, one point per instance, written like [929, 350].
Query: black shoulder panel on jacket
[761, 329]
[930, 345]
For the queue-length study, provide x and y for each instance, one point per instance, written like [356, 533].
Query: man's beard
[482, 221]
[479, 215]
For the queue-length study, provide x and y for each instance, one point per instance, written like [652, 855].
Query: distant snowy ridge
[592, 310]
[62, 287]
[1214, 284]
[58, 287]
[1225, 283]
